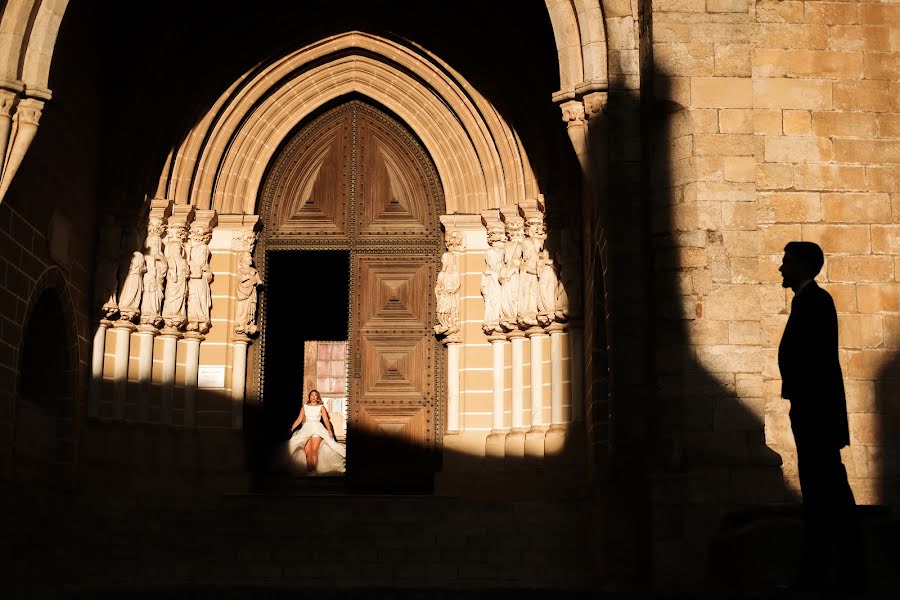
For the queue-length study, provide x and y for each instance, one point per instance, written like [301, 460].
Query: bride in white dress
[322, 453]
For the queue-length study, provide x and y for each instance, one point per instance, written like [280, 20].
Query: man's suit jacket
[810, 371]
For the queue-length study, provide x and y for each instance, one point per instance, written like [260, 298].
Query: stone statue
[155, 277]
[548, 286]
[528, 284]
[173, 312]
[447, 292]
[510, 274]
[199, 296]
[106, 282]
[491, 289]
[130, 296]
[246, 295]
[568, 297]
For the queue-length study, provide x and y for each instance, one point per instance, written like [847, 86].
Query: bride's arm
[327, 421]
[299, 419]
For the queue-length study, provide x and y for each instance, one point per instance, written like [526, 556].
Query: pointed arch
[479, 157]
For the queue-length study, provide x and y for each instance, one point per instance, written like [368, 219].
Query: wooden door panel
[393, 181]
[397, 293]
[395, 368]
[409, 424]
[313, 191]
[393, 409]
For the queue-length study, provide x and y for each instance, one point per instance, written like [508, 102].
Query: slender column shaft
[120, 374]
[170, 350]
[453, 387]
[537, 379]
[556, 378]
[497, 412]
[145, 373]
[238, 383]
[191, 372]
[518, 411]
[98, 350]
[576, 362]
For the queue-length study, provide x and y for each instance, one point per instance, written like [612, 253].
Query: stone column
[167, 391]
[191, 372]
[557, 335]
[238, 380]
[555, 438]
[98, 352]
[145, 334]
[123, 331]
[453, 387]
[24, 128]
[576, 364]
[534, 439]
[496, 440]
[515, 441]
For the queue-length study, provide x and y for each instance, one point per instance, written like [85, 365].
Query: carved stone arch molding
[222, 161]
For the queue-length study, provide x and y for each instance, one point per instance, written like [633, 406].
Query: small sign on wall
[211, 376]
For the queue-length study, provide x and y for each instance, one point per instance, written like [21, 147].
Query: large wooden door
[394, 414]
[355, 178]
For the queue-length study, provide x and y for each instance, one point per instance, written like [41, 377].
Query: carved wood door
[355, 178]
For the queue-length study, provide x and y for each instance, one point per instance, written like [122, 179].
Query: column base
[514, 446]
[495, 444]
[555, 439]
[534, 442]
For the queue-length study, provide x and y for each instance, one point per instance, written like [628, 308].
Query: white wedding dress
[332, 454]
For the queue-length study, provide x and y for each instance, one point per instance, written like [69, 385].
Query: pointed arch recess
[479, 157]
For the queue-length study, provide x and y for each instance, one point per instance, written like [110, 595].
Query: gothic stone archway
[355, 179]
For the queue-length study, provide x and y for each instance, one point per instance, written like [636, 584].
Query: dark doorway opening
[307, 298]
[43, 352]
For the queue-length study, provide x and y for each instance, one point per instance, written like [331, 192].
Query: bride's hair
[318, 396]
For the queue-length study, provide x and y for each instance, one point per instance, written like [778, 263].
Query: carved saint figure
[105, 275]
[510, 274]
[445, 290]
[155, 277]
[548, 284]
[199, 296]
[176, 278]
[130, 296]
[248, 280]
[531, 253]
[568, 296]
[490, 279]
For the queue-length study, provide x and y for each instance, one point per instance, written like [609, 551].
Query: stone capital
[467, 229]
[573, 112]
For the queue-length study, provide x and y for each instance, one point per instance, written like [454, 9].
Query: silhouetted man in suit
[812, 381]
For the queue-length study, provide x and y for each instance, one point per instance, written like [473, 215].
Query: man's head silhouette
[802, 261]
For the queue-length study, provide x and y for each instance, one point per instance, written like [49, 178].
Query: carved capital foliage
[594, 103]
[455, 241]
[573, 112]
[243, 240]
[29, 111]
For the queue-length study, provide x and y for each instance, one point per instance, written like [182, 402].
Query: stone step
[315, 539]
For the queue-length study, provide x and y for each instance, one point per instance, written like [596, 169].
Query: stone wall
[775, 121]
[46, 245]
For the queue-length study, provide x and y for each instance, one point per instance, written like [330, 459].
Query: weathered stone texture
[807, 96]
